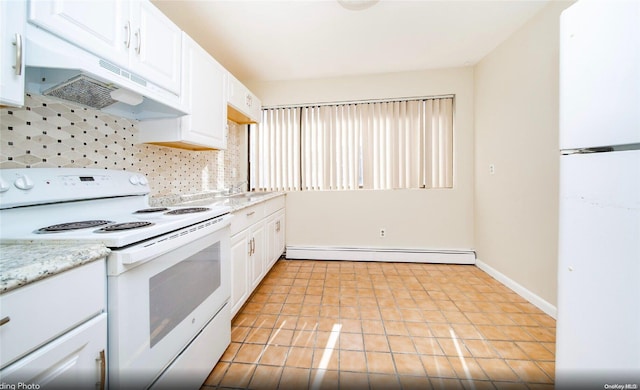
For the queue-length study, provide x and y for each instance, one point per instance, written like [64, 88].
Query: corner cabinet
[132, 34]
[203, 96]
[257, 241]
[243, 106]
[12, 49]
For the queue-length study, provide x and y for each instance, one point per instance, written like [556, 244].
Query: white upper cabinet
[156, 44]
[132, 34]
[243, 106]
[12, 26]
[96, 26]
[203, 96]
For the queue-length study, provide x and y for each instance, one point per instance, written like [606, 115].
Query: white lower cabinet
[239, 271]
[75, 360]
[53, 332]
[257, 234]
[247, 263]
[256, 255]
[275, 237]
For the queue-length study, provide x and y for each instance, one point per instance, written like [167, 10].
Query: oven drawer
[246, 217]
[37, 313]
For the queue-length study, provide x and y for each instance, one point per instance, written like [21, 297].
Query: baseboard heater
[377, 254]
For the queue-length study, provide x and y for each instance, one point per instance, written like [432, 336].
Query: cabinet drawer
[246, 217]
[39, 312]
[273, 205]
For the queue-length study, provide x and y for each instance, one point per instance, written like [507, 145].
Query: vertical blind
[275, 151]
[377, 145]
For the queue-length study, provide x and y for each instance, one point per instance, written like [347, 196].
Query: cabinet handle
[127, 27]
[139, 36]
[18, 45]
[251, 213]
[5, 320]
[253, 245]
[102, 361]
[250, 248]
[277, 226]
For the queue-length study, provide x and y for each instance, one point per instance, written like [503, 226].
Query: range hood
[59, 69]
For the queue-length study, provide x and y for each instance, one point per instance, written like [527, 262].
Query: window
[370, 145]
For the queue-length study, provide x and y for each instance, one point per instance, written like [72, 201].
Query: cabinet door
[244, 107]
[239, 270]
[75, 360]
[204, 96]
[280, 236]
[258, 255]
[101, 27]
[275, 238]
[12, 23]
[156, 44]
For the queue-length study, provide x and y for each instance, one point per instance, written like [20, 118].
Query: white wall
[516, 124]
[416, 219]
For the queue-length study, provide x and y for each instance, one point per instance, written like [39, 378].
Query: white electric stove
[89, 205]
[168, 271]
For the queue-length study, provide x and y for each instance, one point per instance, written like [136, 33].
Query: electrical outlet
[492, 169]
[382, 232]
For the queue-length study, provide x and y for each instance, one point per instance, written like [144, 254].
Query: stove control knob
[134, 180]
[4, 187]
[143, 181]
[23, 183]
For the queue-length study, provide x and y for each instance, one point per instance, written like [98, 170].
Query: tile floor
[364, 325]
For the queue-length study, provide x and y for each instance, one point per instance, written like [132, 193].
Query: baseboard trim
[377, 254]
[525, 293]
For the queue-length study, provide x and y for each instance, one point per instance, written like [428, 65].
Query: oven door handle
[163, 244]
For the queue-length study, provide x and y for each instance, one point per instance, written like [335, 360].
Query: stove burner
[188, 210]
[123, 226]
[152, 210]
[65, 227]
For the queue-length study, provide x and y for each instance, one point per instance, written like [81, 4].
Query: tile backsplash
[49, 133]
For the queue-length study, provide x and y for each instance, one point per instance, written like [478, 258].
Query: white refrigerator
[598, 320]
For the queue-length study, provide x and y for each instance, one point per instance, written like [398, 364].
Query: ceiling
[272, 40]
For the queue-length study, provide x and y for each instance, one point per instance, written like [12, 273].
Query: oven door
[160, 302]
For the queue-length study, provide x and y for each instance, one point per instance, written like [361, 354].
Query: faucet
[236, 188]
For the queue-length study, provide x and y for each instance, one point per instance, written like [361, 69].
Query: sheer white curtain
[275, 151]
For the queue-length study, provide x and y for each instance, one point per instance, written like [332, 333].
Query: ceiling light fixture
[357, 5]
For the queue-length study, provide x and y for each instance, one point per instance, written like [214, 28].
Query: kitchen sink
[227, 199]
[247, 195]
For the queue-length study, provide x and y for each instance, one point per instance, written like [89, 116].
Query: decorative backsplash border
[49, 133]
